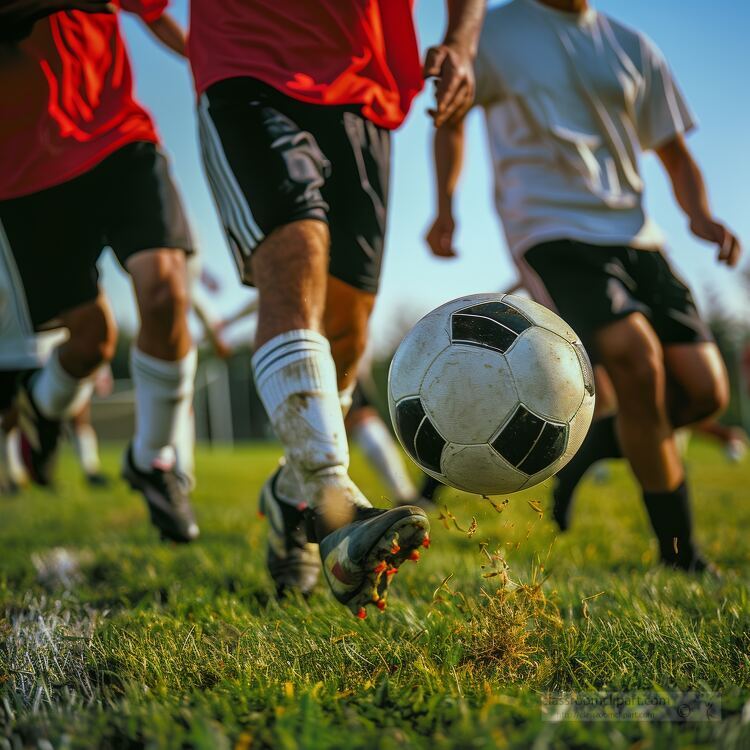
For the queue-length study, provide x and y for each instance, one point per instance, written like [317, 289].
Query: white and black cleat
[293, 560]
[361, 558]
[167, 498]
[39, 437]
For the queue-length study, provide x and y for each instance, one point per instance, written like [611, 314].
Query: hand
[440, 237]
[714, 231]
[454, 89]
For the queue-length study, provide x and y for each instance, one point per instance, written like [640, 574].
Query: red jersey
[320, 51]
[67, 98]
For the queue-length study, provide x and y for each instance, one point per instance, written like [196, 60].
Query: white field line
[45, 643]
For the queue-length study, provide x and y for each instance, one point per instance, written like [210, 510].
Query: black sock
[672, 522]
[429, 486]
[600, 443]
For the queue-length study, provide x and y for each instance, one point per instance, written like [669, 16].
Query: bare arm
[169, 33]
[451, 61]
[690, 192]
[449, 157]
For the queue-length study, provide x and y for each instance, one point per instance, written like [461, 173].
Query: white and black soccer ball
[491, 393]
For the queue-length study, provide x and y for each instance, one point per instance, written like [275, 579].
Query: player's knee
[638, 375]
[164, 299]
[93, 339]
[710, 401]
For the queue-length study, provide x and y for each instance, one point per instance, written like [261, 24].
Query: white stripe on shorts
[233, 207]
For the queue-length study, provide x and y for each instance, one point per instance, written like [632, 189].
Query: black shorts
[591, 286]
[50, 241]
[272, 160]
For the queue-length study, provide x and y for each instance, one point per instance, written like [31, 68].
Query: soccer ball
[491, 393]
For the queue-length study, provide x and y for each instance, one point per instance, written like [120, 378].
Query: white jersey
[571, 101]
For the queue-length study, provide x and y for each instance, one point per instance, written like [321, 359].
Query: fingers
[440, 240]
[730, 250]
[433, 62]
[454, 91]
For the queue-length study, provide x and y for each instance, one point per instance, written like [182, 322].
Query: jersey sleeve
[663, 112]
[148, 10]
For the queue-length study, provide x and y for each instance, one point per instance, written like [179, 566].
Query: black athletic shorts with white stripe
[272, 160]
[50, 241]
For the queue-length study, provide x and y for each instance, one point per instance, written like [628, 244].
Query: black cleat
[39, 437]
[167, 498]
[293, 560]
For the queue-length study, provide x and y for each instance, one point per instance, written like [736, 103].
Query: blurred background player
[83, 435]
[296, 104]
[571, 99]
[82, 169]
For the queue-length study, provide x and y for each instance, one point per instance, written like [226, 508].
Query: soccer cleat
[167, 499]
[293, 561]
[39, 437]
[361, 558]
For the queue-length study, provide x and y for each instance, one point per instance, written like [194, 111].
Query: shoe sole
[402, 541]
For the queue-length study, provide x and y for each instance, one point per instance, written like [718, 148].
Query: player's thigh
[49, 244]
[632, 355]
[356, 192]
[263, 163]
[698, 381]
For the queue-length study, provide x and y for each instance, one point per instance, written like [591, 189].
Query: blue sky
[706, 44]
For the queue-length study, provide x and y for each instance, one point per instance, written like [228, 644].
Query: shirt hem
[366, 112]
[519, 249]
[86, 167]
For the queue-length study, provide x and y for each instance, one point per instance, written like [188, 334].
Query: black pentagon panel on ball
[550, 446]
[493, 325]
[518, 436]
[429, 445]
[409, 415]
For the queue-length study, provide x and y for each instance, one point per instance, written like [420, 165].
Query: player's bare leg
[698, 385]
[163, 363]
[300, 385]
[61, 388]
[697, 388]
[633, 357]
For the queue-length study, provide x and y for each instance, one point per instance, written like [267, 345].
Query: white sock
[163, 393]
[379, 447]
[86, 445]
[296, 379]
[57, 394]
[345, 398]
[185, 447]
[288, 487]
[16, 469]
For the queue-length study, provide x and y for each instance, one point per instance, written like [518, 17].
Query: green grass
[160, 646]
